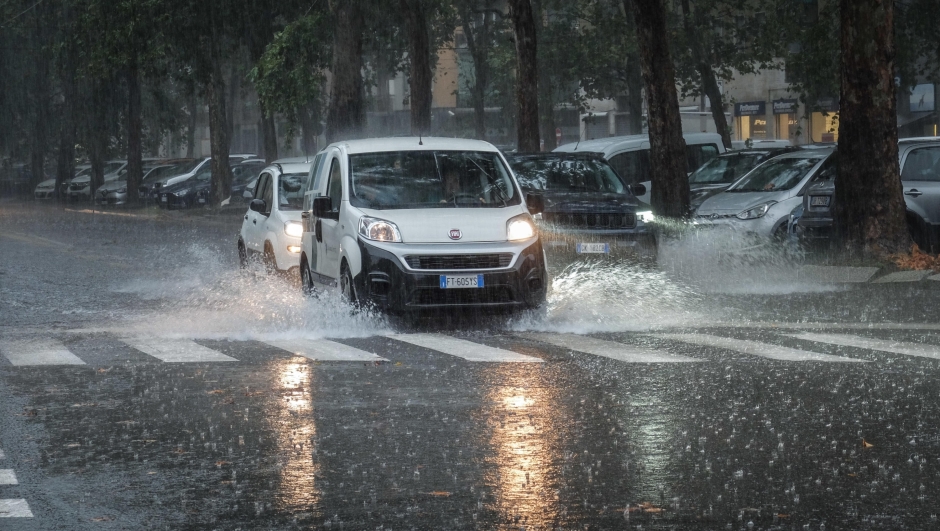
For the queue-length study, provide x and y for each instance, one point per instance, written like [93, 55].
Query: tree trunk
[135, 169]
[869, 206]
[193, 106]
[478, 51]
[527, 75]
[65, 166]
[268, 133]
[308, 130]
[634, 78]
[669, 194]
[709, 81]
[218, 137]
[546, 112]
[233, 85]
[346, 118]
[420, 76]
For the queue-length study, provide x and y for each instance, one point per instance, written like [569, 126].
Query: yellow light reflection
[295, 430]
[525, 441]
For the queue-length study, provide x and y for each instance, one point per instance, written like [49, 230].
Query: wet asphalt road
[639, 399]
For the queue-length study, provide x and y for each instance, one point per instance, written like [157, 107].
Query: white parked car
[409, 224]
[630, 155]
[761, 201]
[271, 228]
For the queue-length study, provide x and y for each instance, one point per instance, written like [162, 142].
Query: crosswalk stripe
[606, 349]
[324, 350]
[756, 348]
[176, 350]
[15, 508]
[38, 352]
[7, 476]
[461, 348]
[894, 347]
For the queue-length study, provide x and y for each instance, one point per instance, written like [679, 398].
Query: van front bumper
[387, 284]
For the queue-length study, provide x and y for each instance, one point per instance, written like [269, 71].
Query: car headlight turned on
[379, 230]
[292, 228]
[520, 228]
[646, 216]
[756, 212]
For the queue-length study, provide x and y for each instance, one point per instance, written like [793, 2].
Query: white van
[630, 155]
[406, 224]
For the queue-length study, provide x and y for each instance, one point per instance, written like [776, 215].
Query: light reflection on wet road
[428, 439]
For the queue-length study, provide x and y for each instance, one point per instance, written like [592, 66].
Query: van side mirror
[638, 189]
[323, 208]
[536, 203]
[257, 205]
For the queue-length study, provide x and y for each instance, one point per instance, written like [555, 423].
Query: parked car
[151, 189]
[272, 225]
[919, 160]
[115, 192]
[421, 224]
[45, 190]
[717, 174]
[587, 207]
[244, 173]
[196, 190]
[760, 202]
[630, 155]
[80, 185]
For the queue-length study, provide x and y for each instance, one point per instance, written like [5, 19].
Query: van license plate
[461, 281]
[593, 248]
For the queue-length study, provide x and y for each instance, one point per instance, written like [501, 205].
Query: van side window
[633, 166]
[335, 190]
[259, 186]
[318, 173]
[922, 165]
[308, 185]
[699, 154]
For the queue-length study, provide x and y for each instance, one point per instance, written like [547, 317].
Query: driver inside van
[453, 189]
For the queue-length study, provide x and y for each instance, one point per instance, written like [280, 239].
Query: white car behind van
[411, 224]
[630, 155]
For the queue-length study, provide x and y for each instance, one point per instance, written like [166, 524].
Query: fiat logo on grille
[455, 234]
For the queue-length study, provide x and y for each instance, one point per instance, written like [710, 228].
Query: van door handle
[254, 222]
[914, 192]
[246, 216]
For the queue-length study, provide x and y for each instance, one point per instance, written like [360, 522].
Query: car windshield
[290, 192]
[169, 170]
[242, 173]
[725, 170]
[775, 175]
[567, 175]
[430, 179]
[111, 167]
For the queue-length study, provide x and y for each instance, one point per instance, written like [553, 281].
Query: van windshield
[430, 179]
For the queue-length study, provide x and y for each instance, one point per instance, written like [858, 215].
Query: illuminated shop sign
[750, 108]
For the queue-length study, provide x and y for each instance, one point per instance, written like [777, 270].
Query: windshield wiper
[499, 191]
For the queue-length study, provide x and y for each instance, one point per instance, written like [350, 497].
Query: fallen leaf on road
[440, 493]
[866, 444]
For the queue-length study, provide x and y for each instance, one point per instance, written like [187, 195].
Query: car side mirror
[536, 203]
[323, 208]
[638, 189]
[257, 205]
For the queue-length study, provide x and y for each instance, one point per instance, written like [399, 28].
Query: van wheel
[242, 255]
[347, 287]
[306, 279]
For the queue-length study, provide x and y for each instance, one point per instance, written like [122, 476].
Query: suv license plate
[819, 200]
[163, 198]
[593, 248]
[461, 281]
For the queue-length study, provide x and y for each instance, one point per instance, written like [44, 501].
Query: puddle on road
[200, 293]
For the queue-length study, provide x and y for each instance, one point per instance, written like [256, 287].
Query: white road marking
[814, 326]
[756, 348]
[38, 352]
[7, 477]
[323, 350]
[2, 454]
[176, 350]
[895, 347]
[467, 350]
[15, 508]
[606, 349]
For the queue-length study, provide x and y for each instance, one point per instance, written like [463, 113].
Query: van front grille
[459, 261]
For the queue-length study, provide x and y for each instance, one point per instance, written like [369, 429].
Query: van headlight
[520, 228]
[379, 230]
[646, 216]
[756, 212]
[292, 228]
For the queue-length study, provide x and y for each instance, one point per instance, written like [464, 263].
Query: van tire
[347, 288]
[306, 279]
